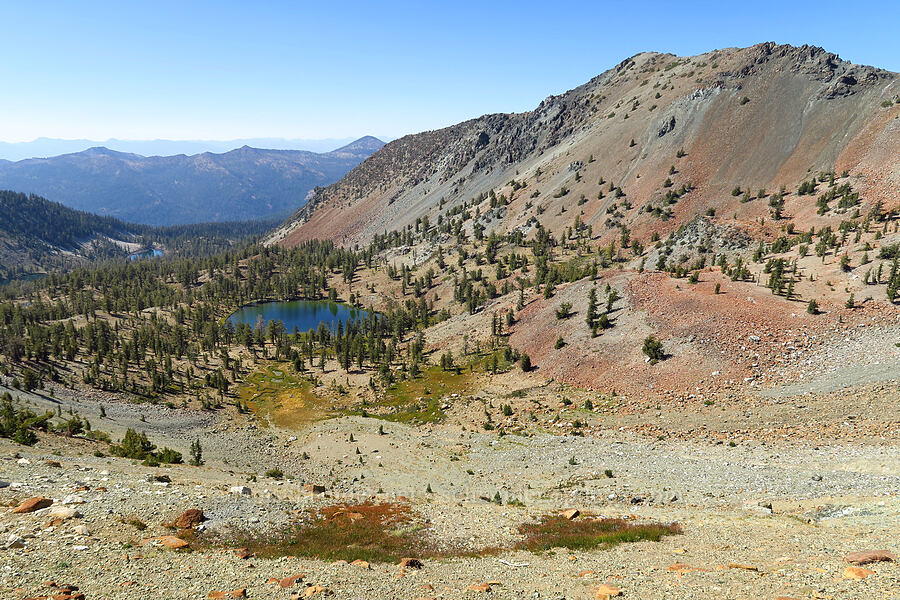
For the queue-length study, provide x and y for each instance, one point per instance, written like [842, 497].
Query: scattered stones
[869, 556]
[32, 504]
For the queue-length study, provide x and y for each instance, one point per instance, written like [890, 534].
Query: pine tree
[196, 453]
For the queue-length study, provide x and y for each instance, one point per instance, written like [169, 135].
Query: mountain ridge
[241, 184]
[808, 106]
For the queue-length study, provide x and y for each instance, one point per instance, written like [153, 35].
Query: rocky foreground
[758, 520]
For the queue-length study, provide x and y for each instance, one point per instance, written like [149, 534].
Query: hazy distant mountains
[243, 184]
[44, 147]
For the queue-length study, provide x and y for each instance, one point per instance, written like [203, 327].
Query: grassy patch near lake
[280, 398]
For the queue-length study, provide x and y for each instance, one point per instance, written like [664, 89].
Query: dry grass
[588, 533]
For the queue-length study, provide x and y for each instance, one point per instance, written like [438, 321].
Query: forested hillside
[37, 236]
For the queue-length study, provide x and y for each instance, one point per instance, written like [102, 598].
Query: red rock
[361, 563]
[243, 553]
[479, 587]
[742, 566]
[313, 488]
[190, 518]
[570, 514]
[170, 541]
[32, 504]
[857, 573]
[412, 563]
[292, 580]
[869, 556]
[216, 595]
[315, 590]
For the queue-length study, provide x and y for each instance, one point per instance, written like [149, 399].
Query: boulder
[172, 542]
[239, 593]
[190, 518]
[412, 563]
[361, 563]
[571, 513]
[291, 581]
[316, 590]
[605, 592]
[857, 573]
[81, 530]
[63, 512]
[240, 490]
[32, 504]
[312, 488]
[869, 556]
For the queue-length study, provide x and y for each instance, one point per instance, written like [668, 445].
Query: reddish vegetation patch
[368, 531]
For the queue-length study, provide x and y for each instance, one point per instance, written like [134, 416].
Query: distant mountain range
[44, 147]
[243, 184]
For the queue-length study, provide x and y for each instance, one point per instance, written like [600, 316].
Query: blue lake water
[304, 314]
[151, 253]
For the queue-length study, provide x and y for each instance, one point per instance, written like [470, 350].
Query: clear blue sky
[219, 70]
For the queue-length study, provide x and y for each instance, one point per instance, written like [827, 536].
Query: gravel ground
[826, 500]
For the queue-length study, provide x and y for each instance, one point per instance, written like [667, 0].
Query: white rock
[23, 462]
[81, 530]
[63, 512]
[73, 499]
[15, 541]
[240, 490]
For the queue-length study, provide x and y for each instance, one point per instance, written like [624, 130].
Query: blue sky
[223, 70]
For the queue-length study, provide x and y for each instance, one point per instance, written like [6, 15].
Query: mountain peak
[367, 145]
